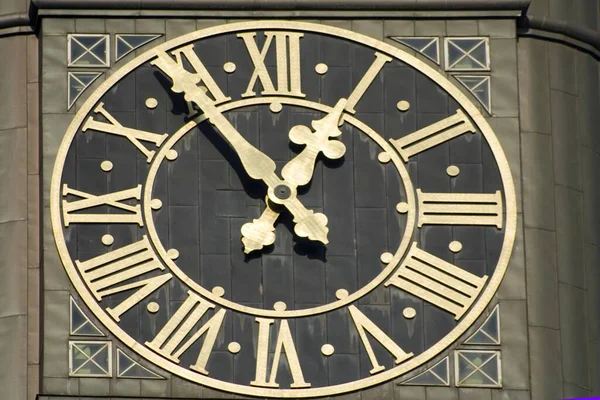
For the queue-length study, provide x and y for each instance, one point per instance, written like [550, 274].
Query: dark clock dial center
[282, 192]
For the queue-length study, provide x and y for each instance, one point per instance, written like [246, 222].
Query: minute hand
[257, 164]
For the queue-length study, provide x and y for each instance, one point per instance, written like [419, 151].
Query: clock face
[282, 209]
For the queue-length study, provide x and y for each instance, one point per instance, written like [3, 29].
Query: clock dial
[282, 209]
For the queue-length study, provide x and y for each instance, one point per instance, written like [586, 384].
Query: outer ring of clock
[468, 319]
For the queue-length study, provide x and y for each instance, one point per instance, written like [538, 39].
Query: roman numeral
[460, 208]
[106, 274]
[132, 214]
[365, 82]
[168, 342]
[432, 135]
[438, 282]
[135, 136]
[364, 325]
[202, 75]
[287, 47]
[284, 343]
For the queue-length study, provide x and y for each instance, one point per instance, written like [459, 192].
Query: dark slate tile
[310, 335]
[335, 52]
[407, 333]
[89, 235]
[341, 273]
[435, 239]
[371, 243]
[476, 267]
[469, 180]
[245, 332]
[369, 184]
[430, 97]
[213, 176]
[183, 174]
[473, 242]
[343, 368]
[311, 195]
[284, 234]
[91, 179]
[150, 324]
[341, 332]
[215, 270]
[466, 148]
[310, 56]
[399, 84]
[365, 149]
[273, 132]
[493, 243]
[213, 51]
[309, 280]
[121, 97]
[336, 84]
[491, 174]
[338, 201]
[93, 144]
[231, 203]
[278, 280]
[238, 54]
[437, 324]
[148, 86]
[214, 233]
[395, 193]
[184, 237]
[220, 365]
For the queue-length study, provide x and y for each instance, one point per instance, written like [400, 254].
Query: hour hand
[260, 232]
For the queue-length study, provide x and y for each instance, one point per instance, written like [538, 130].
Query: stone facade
[545, 103]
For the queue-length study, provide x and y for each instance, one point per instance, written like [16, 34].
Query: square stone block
[545, 356]
[534, 93]
[570, 236]
[13, 174]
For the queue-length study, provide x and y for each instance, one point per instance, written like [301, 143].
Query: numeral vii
[287, 47]
[168, 342]
[438, 282]
[106, 274]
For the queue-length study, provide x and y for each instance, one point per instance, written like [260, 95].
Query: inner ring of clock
[389, 263]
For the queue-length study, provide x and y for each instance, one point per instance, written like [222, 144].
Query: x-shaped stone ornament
[257, 164]
[298, 172]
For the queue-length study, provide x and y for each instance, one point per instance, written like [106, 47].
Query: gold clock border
[376, 137]
[468, 319]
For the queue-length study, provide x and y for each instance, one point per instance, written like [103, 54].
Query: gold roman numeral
[105, 274]
[287, 47]
[460, 208]
[285, 343]
[364, 325]
[432, 135]
[132, 214]
[168, 341]
[202, 75]
[438, 282]
[365, 82]
[135, 136]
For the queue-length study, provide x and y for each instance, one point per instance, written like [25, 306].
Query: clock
[282, 209]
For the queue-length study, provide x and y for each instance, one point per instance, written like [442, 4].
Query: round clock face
[282, 209]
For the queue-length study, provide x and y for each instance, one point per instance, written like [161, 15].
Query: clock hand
[257, 164]
[298, 171]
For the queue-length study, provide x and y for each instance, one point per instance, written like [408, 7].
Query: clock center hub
[282, 192]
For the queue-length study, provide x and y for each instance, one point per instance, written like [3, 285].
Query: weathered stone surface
[545, 356]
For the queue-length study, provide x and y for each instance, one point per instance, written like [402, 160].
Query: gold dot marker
[341, 294]
[321, 68]
[155, 204]
[153, 307]
[218, 291]
[173, 254]
[384, 157]
[453, 170]
[455, 246]
[279, 306]
[386, 258]
[276, 107]
[229, 67]
[151, 103]
[107, 239]
[106, 166]
[409, 313]
[172, 155]
[402, 207]
[403, 105]
[234, 347]
[327, 349]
